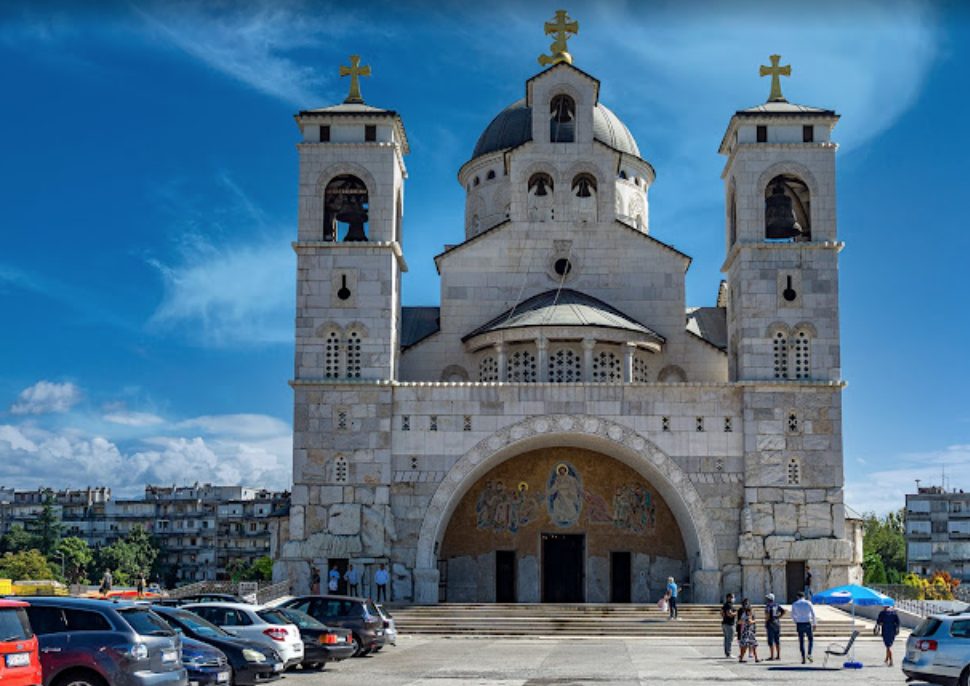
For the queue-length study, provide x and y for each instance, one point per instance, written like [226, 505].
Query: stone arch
[335, 170]
[672, 374]
[800, 171]
[581, 431]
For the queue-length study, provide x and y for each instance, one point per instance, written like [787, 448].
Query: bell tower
[783, 341]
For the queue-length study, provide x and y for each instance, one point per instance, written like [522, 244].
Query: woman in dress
[749, 635]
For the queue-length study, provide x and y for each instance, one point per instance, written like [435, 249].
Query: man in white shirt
[353, 581]
[803, 614]
[381, 577]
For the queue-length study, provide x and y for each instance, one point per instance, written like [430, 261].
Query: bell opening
[787, 209]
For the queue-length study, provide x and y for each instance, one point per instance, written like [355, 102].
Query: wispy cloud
[45, 397]
[251, 42]
[133, 419]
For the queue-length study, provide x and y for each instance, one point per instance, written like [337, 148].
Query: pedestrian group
[741, 624]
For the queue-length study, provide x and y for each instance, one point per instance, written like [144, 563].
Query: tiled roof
[417, 323]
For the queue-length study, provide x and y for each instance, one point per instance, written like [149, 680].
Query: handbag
[662, 604]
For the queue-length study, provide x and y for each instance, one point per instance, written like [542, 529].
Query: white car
[241, 619]
[390, 628]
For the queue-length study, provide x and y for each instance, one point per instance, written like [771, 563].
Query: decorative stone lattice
[802, 355]
[565, 366]
[607, 368]
[794, 472]
[341, 470]
[641, 373]
[331, 356]
[780, 346]
[522, 367]
[353, 355]
[488, 369]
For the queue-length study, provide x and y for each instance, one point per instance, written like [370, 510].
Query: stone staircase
[599, 620]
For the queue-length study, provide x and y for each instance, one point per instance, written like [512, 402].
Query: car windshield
[274, 617]
[202, 627]
[14, 625]
[371, 610]
[145, 622]
[302, 619]
[927, 627]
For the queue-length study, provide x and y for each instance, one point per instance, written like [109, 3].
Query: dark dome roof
[513, 126]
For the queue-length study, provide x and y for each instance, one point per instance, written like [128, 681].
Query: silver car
[390, 628]
[938, 650]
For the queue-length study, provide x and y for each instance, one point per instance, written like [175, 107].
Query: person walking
[728, 616]
[381, 578]
[749, 635]
[140, 588]
[803, 614]
[672, 589]
[773, 614]
[106, 582]
[888, 621]
[353, 581]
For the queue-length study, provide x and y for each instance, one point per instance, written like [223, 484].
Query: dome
[513, 126]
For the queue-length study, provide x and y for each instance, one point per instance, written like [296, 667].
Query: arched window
[584, 197]
[398, 217]
[623, 175]
[637, 211]
[562, 119]
[732, 216]
[521, 367]
[607, 367]
[331, 356]
[565, 366]
[353, 355]
[540, 185]
[788, 214]
[540, 198]
[476, 181]
[345, 209]
[779, 344]
[672, 374]
[802, 352]
[641, 373]
[490, 175]
[488, 369]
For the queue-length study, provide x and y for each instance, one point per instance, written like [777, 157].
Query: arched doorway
[561, 524]
[597, 434]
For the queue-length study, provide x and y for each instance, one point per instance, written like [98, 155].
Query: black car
[321, 643]
[251, 662]
[206, 665]
[357, 614]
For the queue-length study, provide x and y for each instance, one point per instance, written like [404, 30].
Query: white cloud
[250, 42]
[45, 396]
[885, 490]
[134, 419]
[237, 294]
[248, 425]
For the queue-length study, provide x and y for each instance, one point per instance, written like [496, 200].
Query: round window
[563, 266]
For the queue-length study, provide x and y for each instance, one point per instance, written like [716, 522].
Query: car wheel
[314, 666]
[357, 646]
[80, 679]
[965, 677]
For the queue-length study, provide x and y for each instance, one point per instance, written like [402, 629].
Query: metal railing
[908, 600]
[264, 594]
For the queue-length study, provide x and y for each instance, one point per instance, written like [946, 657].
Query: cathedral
[563, 427]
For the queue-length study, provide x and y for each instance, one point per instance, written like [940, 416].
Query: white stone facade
[734, 420]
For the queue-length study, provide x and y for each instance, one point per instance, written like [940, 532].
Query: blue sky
[149, 198]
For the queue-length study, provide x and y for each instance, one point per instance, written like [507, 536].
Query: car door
[53, 641]
[953, 651]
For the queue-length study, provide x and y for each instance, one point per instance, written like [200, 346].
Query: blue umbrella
[852, 594]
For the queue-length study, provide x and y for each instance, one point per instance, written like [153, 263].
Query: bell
[541, 187]
[780, 221]
[583, 187]
[356, 217]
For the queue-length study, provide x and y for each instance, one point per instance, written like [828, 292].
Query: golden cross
[774, 71]
[354, 71]
[561, 27]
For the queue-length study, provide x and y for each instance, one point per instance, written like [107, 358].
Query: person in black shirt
[808, 583]
[728, 615]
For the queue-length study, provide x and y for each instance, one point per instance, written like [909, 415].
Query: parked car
[19, 660]
[200, 598]
[251, 662]
[207, 666]
[242, 620]
[86, 642]
[938, 650]
[321, 644]
[390, 628]
[357, 614]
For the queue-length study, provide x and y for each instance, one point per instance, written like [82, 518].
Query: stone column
[628, 350]
[588, 345]
[706, 586]
[501, 351]
[542, 359]
[425, 586]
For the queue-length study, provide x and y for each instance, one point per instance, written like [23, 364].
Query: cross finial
[562, 26]
[354, 71]
[774, 71]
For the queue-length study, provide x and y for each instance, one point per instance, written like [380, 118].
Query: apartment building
[938, 531]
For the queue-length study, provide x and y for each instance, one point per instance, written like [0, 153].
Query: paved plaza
[541, 662]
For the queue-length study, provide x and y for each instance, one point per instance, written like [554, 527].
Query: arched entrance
[617, 442]
[562, 525]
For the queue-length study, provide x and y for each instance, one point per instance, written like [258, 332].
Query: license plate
[170, 656]
[278, 667]
[222, 677]
[18, 659]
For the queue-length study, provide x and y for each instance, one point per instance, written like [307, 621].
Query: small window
[342, 419]
[476, 181]
[370, 133]
[794, 472]
[728, 425]
[325, 134]
[762, 134]
[433, 423]
[699, 424]
[792, 423]
[414, 462]
[808, 134]
[340, 475]
[665, 423]
[490, 175]
[406, 423]
[467, 423]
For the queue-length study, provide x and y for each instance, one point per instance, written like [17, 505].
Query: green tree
[27, 565]
[875, 571]
[17, 540]
[883, 537]
[261, 569]
[128, 558]
[48, 527]
[77, 558]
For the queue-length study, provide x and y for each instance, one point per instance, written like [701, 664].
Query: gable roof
[417, 323]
